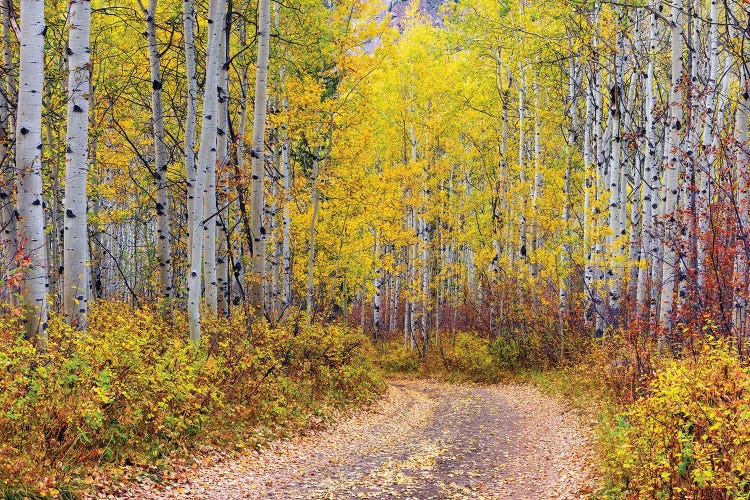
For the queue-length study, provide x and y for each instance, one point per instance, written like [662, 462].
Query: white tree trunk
[649, 243]
[671, 174]
[191, 102]
[206, 157]
[222, 210]
[163, 249]
[706, 165]
[742, 246]
[7, 121]
[614, 273]
[76, 244]
[210, 287]
[536, 191]
[29, 169]
[425, 256]
[377, 311]
[286, 173]
[523, 249]
[564, 289]
[588, 213]
[259, 127]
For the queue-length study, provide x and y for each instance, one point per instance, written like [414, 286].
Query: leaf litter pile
[422, 440]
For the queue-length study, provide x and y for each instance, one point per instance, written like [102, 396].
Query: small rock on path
[422, 440]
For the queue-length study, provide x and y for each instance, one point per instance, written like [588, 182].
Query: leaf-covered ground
[422, 440]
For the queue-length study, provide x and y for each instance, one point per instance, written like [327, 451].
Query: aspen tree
[206, 157]
[671, 173]
[257, 207]
[425, 262]
[315, 202]
[649, 242]
[76, 243]
[536, 190]
[286, 174]
[210, 288]
[163, 249]
[742, 171]
[588, 212]
[222, 184]
[706, 165]
[191, 106]
[378, 284]
[7, 124]
[564, 288]
[29, 168]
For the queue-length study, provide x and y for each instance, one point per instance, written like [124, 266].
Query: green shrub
[689, 437]
[507, 352]
[393, 357]
[469, 356]
[132, 388]
[459, 356]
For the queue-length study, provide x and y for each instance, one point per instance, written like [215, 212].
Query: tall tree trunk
[649, 242]
[222, 184]
[76, 244]
[191, 101]
[29, 168]
[163, 249]
[742, 246]
[377, 313]
[259, 127]
[614, 273]
[671, 175]
[523, 250]
[425, 257]
[206, 157]
[7, 120]
[286, 173]
[707, 160]
[210, 288]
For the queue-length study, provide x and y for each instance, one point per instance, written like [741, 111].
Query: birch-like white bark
[257, 207]
[742, 245]
[210, 288]
[377, 312]
[222, 160]
[315, 202]
[286, 173]
[206, 157]
[707, 159]
[76, 244]
[31, 235]
[191, 105]
[163, 249]
[671, 174]
[649, 242]
[8, 217]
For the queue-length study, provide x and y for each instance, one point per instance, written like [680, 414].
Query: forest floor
[423, 439]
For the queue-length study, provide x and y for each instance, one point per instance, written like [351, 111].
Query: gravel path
[422, 440]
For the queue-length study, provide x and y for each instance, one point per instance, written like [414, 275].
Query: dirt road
[422, 440]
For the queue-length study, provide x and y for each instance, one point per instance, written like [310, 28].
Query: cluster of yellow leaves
[132, 389]
[690, 436]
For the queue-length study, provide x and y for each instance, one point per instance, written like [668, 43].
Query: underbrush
[688, 436]
[133, 390]
[668, 426]
[459, 356]
[675, 427]
[476, 357]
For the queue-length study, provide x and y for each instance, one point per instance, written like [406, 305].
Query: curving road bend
[423, 440]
